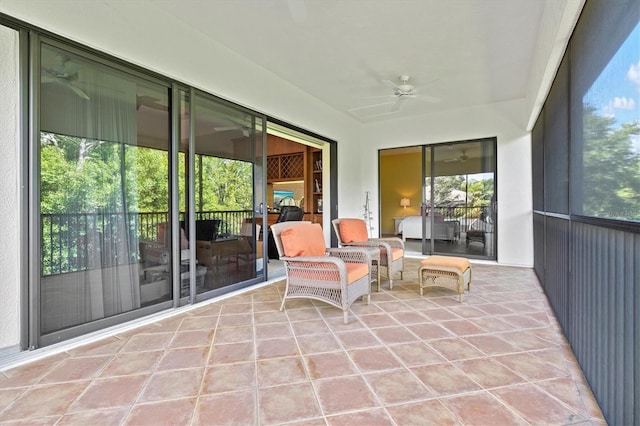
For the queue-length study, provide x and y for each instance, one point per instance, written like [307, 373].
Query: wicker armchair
[337, 276]
[353, 233]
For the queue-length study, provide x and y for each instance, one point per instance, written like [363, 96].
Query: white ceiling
[462, 52]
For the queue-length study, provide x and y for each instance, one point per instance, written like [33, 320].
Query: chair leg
[346, 316]
[282, 304]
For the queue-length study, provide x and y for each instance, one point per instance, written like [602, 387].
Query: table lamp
[405, 202]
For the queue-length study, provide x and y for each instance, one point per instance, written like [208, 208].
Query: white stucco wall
[9, 191]
[505, 122]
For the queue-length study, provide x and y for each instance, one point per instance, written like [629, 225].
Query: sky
[616, 92]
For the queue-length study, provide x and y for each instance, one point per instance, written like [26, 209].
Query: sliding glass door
[441, 198]
[146, 194]
[460, 199]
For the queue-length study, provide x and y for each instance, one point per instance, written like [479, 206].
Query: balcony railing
[83, 241]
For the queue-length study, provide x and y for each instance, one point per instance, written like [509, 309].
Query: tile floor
[498, 358]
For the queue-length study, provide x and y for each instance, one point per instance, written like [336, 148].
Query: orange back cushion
[353, 231]
[303, 240]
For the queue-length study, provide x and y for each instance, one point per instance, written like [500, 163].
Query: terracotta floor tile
[304, 314]
[537, 406]
[289, 403]
[235, 408]
[302, 328]
[455, 349]
[183, 339]
[176, 412]
[147, 342]
[530, 366]
[113, 416]
[429, 331]
[132, 363]
[231, 352]
[233, 334]
[278, 371]
[462, 327]
[330, 364]
[378, 320]
[414, 354]
[409, 317]
[393, 335]
[358, 339]
[229, 377]
[318, 343]
[481, 409]
[40, 401]
[431, 412]
[445, 379]
[273, 331]
[491, 344]
[489, 373]
[274, 348]
[397, 386]
[235, 320]
[343, 394]
[110, 392]
[393, 363]
[71, 369]
[172, 385]
[370, 418]
[374, 359]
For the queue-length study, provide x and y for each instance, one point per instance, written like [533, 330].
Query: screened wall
[586, 199]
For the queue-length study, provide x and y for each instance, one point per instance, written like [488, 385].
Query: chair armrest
[350, 254]
[394, 242]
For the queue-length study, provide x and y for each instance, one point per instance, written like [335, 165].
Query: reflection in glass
[611, 133]
[103, 191]
[228, 245]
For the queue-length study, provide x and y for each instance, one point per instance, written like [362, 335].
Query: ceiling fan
[63, 74]
[401, 92]
[462, 158]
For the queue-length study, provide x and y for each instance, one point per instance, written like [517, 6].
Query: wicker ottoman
[445, 271]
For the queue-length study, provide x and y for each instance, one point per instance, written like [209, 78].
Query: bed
[411, 227]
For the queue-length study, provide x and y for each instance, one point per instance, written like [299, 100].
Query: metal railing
[75, 242]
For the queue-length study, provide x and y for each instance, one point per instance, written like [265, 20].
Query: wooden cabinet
[285, 167]
[315, 187]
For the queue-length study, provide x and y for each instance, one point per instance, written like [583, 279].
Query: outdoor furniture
[475, 236]
[445, 271]
[353, 233]
[337, 276]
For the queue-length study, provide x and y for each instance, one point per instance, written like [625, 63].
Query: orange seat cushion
[303, 240]
[355, 271]
[396, 253]
[460, 263]
[353, 231]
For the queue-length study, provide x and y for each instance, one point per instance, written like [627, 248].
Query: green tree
[611, 168]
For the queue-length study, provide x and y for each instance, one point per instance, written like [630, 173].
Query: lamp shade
[405, 202]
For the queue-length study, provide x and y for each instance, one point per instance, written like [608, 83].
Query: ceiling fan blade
[391, 84]
[78, 91]
[396, 106]
[378, 97]
[372, 106]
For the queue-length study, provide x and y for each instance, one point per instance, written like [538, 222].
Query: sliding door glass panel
[425, 205]
[228, 245]
[461, 218]
[104, 191]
